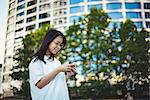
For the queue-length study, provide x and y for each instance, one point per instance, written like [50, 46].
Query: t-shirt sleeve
[35, 71]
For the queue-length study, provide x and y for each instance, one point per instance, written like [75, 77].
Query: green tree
[22, 57]
[138, 57]
[86, 39]
[133, 57]
[99, 49]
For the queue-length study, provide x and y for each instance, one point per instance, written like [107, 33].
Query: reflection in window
[19, 15]
[31, 10]
[76, 9]
[111, 24]
[21, 7]
[133, 6]
[44, 15]
[76, 1]
[44, 23]
[98, 6]
[115, 15]
[147, 14]
[146, 5]
[30, 19]
[31, 2]
[31, 27]
[75, 18]
[112, 6]
[20, 1]
[138, 24]
[133, 15]
[147, 24]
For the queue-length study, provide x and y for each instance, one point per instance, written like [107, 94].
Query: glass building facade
[118, 10]
[28, 15]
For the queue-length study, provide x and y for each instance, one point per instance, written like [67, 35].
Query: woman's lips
[57, 49]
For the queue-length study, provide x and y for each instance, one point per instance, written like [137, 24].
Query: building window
[75, 18]
[19, 23]
[146, 5]
[20, 1]
[111, 24]
[44, 15]
[76, 1]
[115, 15]
[30, 19]
[32, 2]
[43, 0]
[31, 10]
[133, 15]
[12, 5]
[21, 7]
[45, 7]
[12, 11]
[147, 14]
[112, 6]
[20, 14]
[19, 30]
[31, 27]
[138, 24]
[59, 21]
[44, 23]
[147, 24]
[10, 20]
[133, 5]
[59, 12]
[10, 27]
[98, 6]
[59, 4]
[76, 9]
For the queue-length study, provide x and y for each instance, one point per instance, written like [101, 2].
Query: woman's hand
[67, 68]
[72, 72]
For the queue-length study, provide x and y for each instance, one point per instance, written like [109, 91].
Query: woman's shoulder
[56, 60]
[34, 60]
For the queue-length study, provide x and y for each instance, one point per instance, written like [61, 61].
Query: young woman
[47, 74]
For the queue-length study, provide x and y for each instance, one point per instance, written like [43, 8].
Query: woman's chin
[55, 52]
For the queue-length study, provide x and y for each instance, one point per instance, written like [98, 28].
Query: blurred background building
[25, 16]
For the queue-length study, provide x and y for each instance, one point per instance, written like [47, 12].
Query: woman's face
[55, 45]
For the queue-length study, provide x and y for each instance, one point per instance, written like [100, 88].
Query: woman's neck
[48, 54]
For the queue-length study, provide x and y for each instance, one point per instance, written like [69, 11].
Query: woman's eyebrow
[57, 41]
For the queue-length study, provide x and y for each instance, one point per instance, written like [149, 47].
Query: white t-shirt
[56, 89]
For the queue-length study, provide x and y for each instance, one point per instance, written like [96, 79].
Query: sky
[3, 20]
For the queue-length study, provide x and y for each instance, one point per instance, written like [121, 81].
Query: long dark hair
[49, 37]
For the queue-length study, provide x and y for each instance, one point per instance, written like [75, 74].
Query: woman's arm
[46, 79]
